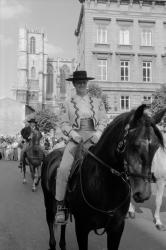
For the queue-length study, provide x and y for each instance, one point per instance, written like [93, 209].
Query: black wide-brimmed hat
[32, 120]
[79, 75]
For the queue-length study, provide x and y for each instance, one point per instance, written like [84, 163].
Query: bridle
[121, 149]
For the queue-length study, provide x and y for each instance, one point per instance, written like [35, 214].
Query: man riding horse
[27, 133]
[83, 119]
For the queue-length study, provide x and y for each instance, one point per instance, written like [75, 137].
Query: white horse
[159, 170]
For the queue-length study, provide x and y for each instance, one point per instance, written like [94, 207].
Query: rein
[109, 213]
[148, 178]
[113, 171]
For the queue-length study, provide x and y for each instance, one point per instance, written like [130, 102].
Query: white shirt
[83, 103]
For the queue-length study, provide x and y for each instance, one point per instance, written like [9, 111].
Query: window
[124, 103]
[146, 38]
[101, 34]
[124, 70]
[147, 71]
[124, 37]
[147, 99]
[32, 45]
[49, 86]
[33, 72]
[102, 69]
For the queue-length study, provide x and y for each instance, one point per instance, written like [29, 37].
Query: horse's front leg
[62, 242]
[24, 172]
[50, 216]
[82, 234]
[160, 184]
[35, 178]
[38, 175]
[114, 237]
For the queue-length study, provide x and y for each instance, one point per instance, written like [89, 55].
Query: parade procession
[82, 125]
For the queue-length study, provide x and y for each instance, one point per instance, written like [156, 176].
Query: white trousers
[63, 171]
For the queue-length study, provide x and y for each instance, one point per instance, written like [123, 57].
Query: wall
[12, 116]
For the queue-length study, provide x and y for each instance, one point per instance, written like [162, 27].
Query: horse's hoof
[24, 181]
[131, 215]
[161, 227]
[33, 189]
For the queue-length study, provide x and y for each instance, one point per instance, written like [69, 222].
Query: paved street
[23, 225]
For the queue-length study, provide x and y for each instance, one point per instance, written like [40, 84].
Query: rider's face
[32, 124]
[81, 87]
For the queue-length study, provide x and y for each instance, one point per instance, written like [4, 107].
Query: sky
[58, 19]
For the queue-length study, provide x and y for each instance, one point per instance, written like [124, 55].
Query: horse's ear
[139, 113]
[157, 117]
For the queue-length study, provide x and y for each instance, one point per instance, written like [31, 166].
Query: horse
[100, 187]
[159, 170]
[33, 157]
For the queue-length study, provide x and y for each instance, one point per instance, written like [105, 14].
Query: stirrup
[60, 217]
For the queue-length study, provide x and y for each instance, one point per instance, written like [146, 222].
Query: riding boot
[60, 213]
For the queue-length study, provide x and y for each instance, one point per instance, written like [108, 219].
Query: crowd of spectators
[11, 146]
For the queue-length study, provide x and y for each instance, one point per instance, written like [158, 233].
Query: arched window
[49, 87]
[64, 73]
[33, 72]
[32, 45]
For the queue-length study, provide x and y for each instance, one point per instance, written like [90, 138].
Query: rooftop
[144, 2]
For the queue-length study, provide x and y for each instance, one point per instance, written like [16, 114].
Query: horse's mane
[115, 129]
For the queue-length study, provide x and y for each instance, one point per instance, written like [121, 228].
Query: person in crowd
[47, 144]
[83, 118]
[4, 146]
[15, 150]
[20, 148]
[9, 152]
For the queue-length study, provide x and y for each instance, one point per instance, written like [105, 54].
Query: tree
[95, 90]
[106, 102]
[46, 120]
[159, 100]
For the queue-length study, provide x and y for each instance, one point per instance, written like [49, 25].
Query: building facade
[123, 45]
[41, 79]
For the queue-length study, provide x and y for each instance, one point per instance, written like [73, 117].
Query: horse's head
[36, 136]
[141, 139]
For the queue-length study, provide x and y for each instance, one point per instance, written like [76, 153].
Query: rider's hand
[75, 136]
[77, 139]
[94, 139]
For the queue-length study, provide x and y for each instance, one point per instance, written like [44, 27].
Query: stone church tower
[41, 80]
